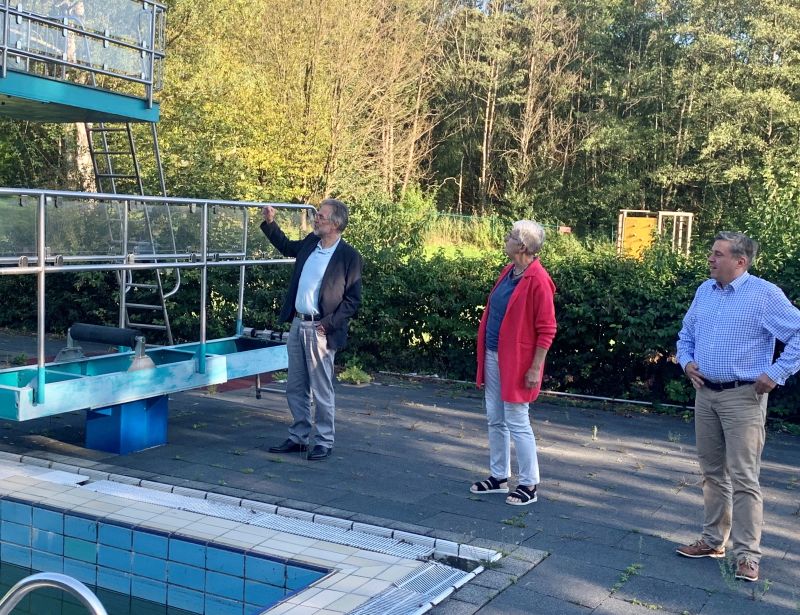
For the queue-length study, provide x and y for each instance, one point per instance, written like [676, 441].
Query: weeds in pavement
[516, 520]
[727, 568]
[630, 571]
[760, 589]
[647, 605]
[674, 437]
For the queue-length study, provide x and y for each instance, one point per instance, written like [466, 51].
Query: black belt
[723, 386]
[308, 317]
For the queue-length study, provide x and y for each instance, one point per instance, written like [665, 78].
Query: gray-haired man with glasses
[324, 294]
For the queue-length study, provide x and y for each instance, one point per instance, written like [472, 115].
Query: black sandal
[490, 485]
[524, 495]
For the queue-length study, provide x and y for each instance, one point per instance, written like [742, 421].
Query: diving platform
[40, 99]
[91, 62]
[125, 391]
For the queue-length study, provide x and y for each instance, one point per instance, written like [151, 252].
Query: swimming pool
[213, 554]
[171, 568]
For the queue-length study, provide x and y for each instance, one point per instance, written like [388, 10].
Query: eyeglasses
[321, 218]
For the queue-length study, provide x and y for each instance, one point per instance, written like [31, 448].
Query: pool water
[51, 601]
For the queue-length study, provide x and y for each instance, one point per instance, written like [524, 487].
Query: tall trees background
[565, 110]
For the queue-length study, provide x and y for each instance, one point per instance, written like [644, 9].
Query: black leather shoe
[319, 453]
[289, 446]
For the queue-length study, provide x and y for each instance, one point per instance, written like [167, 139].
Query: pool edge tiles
[347, 577]
[171, 568]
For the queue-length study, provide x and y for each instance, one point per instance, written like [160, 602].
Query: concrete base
[130, 427]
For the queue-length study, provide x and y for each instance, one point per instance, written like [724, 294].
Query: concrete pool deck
[619, 491]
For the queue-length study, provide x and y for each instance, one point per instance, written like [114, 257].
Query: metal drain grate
[393, 601]
[433, 579]
[417, 592]
[280, 523]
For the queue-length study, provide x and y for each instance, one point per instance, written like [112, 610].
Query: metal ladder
[112, 149]
[51, 579]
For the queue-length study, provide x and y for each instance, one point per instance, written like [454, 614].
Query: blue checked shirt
[730, 332]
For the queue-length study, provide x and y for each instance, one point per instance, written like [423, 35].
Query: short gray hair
[531, 235]
[339, 215]
[741, 245]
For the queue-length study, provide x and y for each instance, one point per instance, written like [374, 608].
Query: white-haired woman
[516, 330]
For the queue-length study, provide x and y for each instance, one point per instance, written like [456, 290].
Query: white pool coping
[366, 561]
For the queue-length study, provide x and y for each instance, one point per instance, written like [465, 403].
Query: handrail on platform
[44, 263]
[34, 31]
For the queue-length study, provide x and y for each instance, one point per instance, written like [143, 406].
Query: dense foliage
[562, 110]
[618, 318]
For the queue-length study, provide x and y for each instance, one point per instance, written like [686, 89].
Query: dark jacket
[340, 293]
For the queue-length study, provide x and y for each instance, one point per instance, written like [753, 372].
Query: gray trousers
[310, 379]
[729, 427]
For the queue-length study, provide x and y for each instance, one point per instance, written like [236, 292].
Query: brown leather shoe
[747, 570]
[700, 549]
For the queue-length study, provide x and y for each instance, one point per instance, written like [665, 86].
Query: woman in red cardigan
[516, 330]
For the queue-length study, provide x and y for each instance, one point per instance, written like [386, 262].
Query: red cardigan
[530, 322]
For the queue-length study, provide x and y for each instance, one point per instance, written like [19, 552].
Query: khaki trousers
[729, 427]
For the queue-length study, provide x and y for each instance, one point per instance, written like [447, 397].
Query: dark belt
[723, 386]
[308, 317]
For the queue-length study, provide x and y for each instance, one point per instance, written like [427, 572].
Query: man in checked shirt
[726, 349]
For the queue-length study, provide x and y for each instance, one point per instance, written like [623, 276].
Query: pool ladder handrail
[51, 579]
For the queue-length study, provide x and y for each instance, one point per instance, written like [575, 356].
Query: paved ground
[619, 491]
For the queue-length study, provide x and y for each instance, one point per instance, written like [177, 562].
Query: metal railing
[51, 579]
[47, 33]
[44, 262]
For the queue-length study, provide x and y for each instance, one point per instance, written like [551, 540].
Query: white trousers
[508, 421]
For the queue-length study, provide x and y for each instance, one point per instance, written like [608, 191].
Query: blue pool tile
[147, 543]
[115, 602]
[111, 557]
[50, 542]
[187, 552]
[48, 520]
[224, 585]
[225, 561]
[184, 598]
[186, 576]
[298, 577]
[149, 589]
[46, 562]
[85, 573]
[265, 570]
[42, 603]
[71, 608]
[223, 606]
[14, 554]
[115, 580]
[80, 527]
[261, 594]
[78, 549]
[15, 533]
[16, 512]
[149, 567]
[115, 535]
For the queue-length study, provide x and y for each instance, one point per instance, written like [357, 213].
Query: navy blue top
[498, 302]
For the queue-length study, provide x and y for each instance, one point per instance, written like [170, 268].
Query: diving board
[25, 96]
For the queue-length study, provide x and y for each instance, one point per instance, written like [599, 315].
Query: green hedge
[618, 318]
